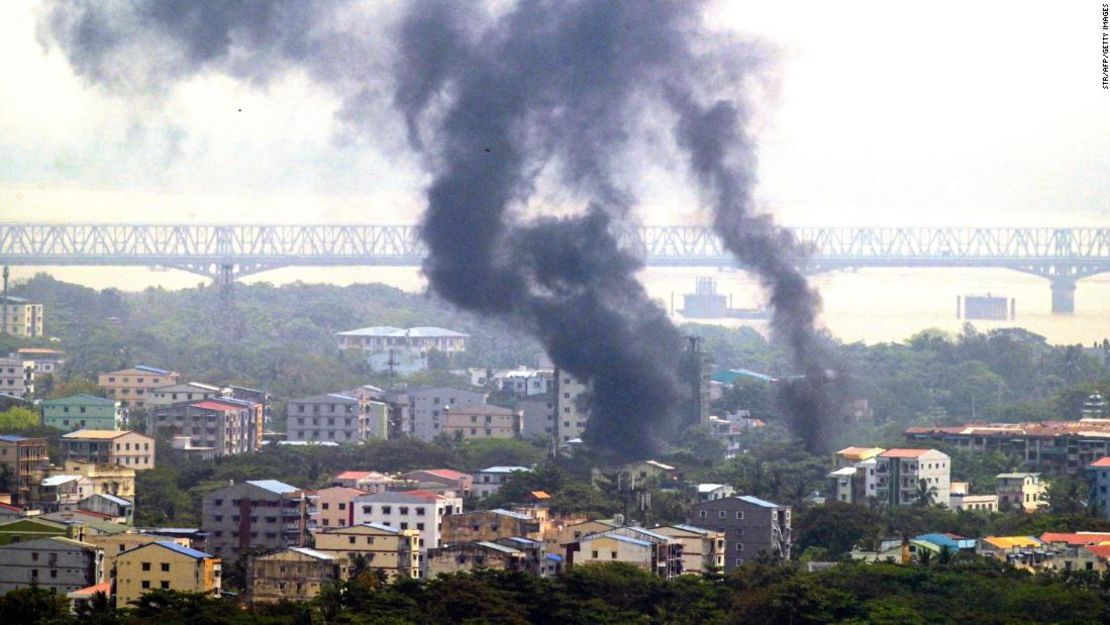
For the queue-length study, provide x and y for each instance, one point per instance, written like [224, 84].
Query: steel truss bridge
[226, 252]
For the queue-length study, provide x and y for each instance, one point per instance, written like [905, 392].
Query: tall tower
[695, 375]
[4, 321]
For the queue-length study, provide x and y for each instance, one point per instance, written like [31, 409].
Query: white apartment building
[489, 480]
[427, 408]
[331, 417]
[176, 393]
[17, 377]
[572, 407]
[414, 509]
[900, 471]
[481, 421]
[402, 350]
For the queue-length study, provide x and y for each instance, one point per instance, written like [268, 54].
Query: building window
[739, 546]
[165, 584]
[146, 566]
[702, 514]
[165, 567]
[721, 514]
[740, 514]
[146, 584]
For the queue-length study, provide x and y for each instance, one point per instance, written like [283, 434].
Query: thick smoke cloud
[494, 102]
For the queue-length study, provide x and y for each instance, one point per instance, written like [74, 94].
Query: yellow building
[850, 455]
[557, 538]
[166, 565]
[374, 547]
[703, 551]
[114, 544]
[126, 448]
[293, 574]
[21, 317]
[133, 387]
[1025, 491]
[107, 479]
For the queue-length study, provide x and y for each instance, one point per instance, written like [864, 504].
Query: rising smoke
[494, 102]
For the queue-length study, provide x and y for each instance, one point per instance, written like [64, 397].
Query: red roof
[342, 490]
[210, 404]
[4, 506]
[423, 494]
[104, 587]
[1076, 538]
[904, 453]
[447, 473]
[353, 475]
[1101, 462]
[1102, 551]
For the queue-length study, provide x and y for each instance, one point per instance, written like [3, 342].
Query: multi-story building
[17, 378]
[165, 565]
[855, 480]
[330, 417]
[973, 503]
[703, 551]
[229, 426]
[415, 509]
[1098, 487]
[751, 526]
[335, 506]
[293, 574]
[490, 479]
[447, 482]
[524, 382]
[181, 392]
[427, 408]
[107, 479]
[133, 387]
[1050, 446]
[900, 473]
[82, 412]
[62, 492]
[123, 447]
[55, 563]
[645, 549]
[401, 350]
[26, 460]
[46, 360]
[121, 511]
[482, 555]
[488, 525]
[114, 544]
[256, 516]
[572, 407]
[1025, 491]
[367, 481]
[481, 421]
[20, 317]
[538, 416]
[392, 551]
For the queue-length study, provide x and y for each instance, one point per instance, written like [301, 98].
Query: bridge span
[226, 252]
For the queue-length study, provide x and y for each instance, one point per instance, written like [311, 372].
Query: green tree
[18, 419]
[925, 495]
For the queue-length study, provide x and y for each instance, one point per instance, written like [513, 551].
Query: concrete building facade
[17, 378]
[165, 565]
[335, 506]
[293, 574]
[229, 426]
[107, 479]
[27, 462]
[1024, 491]
[82, 412]
[331, 417]
[488, 525]
[489, 480]
[419, 510]
[481, 421]
[572, 407]
[900, 473]
[133, 387]
[751, 526]
[181, 392]
[59, 564]
[256, 516]
[21, 317]
[703, 551]
[392, 551]
[125, 448]
[427, 408]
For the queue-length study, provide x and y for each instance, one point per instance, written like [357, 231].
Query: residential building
[108, 479]
[374, 547]
[557, 538]
[1020, 490]
[901, 473]
[125, 448]
[645, 549]
[165, 565]
[26, 460]
[229, 426]
[293, 574]
[21, 317]
[489, 480]
[1049, 446]
[1021, 551]
[62, 492]
[751, 526]
[649, 471]
[132, 387]
[367, 481]
[481, 555]
[193, 537]
[709, 492]
[427, 408]
[452, 483]
[32, 528]
[1098, 489]
[335, 506]
[255, 516]
[401, 350]
[974, 503]
[703, 551]
[46, 360]
[17, 378]
[537, 414]
[330, 417]
[181, 392]
[488, 525]
[119, 509]
[55, 563]
[415, 509]
[114, 544]
[525, 382]
[82, 412]
[572, 407]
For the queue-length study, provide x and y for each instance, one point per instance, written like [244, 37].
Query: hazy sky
[885, 113]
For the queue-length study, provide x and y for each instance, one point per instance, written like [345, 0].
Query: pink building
[333, 506]
[368, 481]
[445, 482]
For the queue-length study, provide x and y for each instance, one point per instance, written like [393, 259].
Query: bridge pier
[1063, 295]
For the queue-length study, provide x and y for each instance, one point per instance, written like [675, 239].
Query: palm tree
[926, 494]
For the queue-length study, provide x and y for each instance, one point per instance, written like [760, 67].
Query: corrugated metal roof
[312, 553]
[759, 502]
[101, 435]
[183, 550]
[274, 486]
[504, 469]
[114, 499]
[58, 480]
[496, 547]
[12, 438]
[150, 369]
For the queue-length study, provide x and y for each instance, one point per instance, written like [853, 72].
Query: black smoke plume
[498, 101]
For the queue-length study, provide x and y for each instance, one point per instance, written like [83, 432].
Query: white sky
[889, 113]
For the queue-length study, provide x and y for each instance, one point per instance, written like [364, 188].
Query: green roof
[82, 399]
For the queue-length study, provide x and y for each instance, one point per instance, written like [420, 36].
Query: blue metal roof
[186, 551]
[120, 501]
[555, 557]
[510, 513]
[759, 502]
[12, 438]
[626, 539]
[274, 486]
[150, 369]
